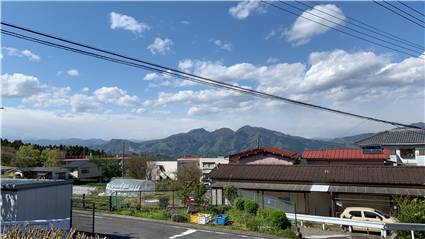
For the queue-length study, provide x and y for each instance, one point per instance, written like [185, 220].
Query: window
[208, 165]
[372, 215]
[85, 170]
[356, 214]
[422, 152]
[407, 153]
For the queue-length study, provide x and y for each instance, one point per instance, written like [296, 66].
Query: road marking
[185, 233]
[326, 236]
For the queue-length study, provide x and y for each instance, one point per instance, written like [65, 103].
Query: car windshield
[381, 213]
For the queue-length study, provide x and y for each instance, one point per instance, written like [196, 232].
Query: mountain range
[220, 142]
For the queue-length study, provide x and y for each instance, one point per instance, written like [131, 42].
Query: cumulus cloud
[161, 46]
[50, 97]
[121, 21]
[19, 85]
[115, 95]
[84, 103]
[185, 22]
[303, 30]
[272, 60]
[73, 72]
[223, 45]
[329, 78]
[245, 8]
[22, 53]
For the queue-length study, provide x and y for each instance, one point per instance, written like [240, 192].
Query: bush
[278, 219]
[230, 192]
[253, 223]
[411, 211]
[179, 218]
[163, 202]
[251, 207]
[215, 210]
[239, 204]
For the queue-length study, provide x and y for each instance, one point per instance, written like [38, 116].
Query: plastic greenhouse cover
[125, 186]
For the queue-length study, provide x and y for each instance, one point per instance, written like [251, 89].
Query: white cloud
[185, 22]
[243, 9]
[157, 80]
[72, 72]
[22, 53]
[116, 96]
[85, 103]
[19, 85]
[223, 45]
[303, 30]
[121, 21]
[272, 60]
[161, 46]
[51, 97]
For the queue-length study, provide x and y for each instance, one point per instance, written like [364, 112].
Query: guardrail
[57, 223]
[383, 227]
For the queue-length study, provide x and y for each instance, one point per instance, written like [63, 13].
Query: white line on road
[326, 236]
[185, 233]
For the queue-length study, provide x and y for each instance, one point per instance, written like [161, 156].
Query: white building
[208, 164]
[163, 170]
[406, 145]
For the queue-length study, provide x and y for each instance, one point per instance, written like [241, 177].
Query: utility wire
[362, 25]
[401, 10]
[188, 76]
[411, 8]
[342, 31]
[350, 28]
[401, 15]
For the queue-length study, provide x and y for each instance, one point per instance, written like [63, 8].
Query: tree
[53, 157]
[411, 211]
[8, 155]
[230, 192]
[110, 168]
[137, 167]
[26, 156]
[188, 176]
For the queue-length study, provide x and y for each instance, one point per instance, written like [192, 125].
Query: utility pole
[122, 159]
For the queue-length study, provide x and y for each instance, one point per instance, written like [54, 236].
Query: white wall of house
[208, 164]
[418, 159]
[170, 169]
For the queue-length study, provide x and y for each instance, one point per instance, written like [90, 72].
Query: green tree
[137, 167]
[188, 176]
[411, 211]
[53, 157]
[230, 192]
[110, 168]
[8, 155]
[26, 156]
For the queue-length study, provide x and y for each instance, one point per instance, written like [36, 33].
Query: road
[118, 227]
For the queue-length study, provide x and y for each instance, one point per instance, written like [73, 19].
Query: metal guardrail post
[140, 198]
[412, 234]
[84, 200]
[110, 203]
[93, 216]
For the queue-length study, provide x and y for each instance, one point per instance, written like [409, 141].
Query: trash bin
[222, 219]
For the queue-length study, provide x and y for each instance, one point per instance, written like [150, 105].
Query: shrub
[215, 210]
[253, 223]
[251, 207]
[230, 192]
[278, 219]
[163, 202]
[179, 218]
[239, 204]
[411, 211]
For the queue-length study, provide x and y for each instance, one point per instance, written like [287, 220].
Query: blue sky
[49, 93]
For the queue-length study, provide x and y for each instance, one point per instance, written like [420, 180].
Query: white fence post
[412, 234]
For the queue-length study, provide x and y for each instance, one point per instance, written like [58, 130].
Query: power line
[363, 25]
[411, 8]
[352, 29]
[401, 15]
[342, 31]
[183, 75]
[401, 10]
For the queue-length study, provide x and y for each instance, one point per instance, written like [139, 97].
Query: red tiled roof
[343, 154]
[262, 150]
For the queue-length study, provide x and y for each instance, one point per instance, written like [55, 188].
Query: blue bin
[222, 219]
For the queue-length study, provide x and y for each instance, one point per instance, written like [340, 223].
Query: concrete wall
[92, 168]
[418, 160]
[205, 162]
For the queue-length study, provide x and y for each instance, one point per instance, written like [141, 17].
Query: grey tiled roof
[397, 136]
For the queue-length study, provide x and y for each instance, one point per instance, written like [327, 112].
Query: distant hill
[350, 141]
[67, 142]
[419, 124]
[220, 142]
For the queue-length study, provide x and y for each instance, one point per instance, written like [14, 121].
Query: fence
[268, 201]
[83, 222]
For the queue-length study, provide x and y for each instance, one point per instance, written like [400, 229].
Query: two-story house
[406, 145]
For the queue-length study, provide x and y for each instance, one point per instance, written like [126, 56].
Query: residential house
[405, 145]
[265, 155]
[84, 169]
[324, 190]
[208, 164]
[354, 156]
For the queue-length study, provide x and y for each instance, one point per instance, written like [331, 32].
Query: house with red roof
[265, 155]
[352, 156]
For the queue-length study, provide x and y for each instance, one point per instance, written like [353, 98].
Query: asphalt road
[117, 227]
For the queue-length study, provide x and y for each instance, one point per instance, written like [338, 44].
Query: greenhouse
[129, 187]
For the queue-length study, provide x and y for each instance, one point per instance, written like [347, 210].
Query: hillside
[220, 142]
